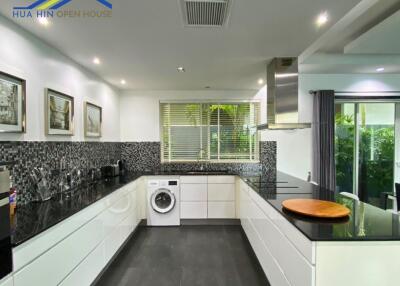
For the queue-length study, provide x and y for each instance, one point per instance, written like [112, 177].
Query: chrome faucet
[199, 157]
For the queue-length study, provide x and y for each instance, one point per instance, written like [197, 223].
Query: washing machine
[163, 203]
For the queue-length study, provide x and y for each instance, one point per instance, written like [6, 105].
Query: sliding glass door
[345, 147]
[365, 148]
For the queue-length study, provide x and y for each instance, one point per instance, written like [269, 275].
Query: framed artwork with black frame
[59, 115]
[12, 104]
[93, 120]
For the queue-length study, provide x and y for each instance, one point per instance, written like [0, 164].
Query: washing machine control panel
[172, 183]
[166, 183]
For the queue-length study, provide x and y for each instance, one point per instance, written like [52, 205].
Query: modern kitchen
[199, 142]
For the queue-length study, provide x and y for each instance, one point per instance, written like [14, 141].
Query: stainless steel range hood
[282, 96]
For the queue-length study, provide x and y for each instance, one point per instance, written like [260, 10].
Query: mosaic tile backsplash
[47, 155]
[139, 156]
[146, 157]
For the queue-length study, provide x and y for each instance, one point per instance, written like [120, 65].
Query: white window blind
[209, 131]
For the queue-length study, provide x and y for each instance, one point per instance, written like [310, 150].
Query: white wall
[140, 120]
[140, 113]
[295, 147]
[27, 57]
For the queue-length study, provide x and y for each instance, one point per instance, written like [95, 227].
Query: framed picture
[12, 104]
[59, 113]
[93, 118]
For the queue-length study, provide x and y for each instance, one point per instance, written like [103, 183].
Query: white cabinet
[193, 210]
[88, 269]
[193, 197]
[221, 192]
[28, 251]
[224, 210]
[221, 179]
[194, 192]
[283, 259]
[111, 244]
[79, 247]
[141, 195]
[221, 197]
[193, 180]
[248, 211]
[61, 259]
[297, 270]
[291, 233]
[7, 281]
[208, 197]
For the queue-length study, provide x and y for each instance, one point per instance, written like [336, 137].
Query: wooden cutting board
[316, 208]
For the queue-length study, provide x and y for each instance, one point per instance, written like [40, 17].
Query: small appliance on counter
[122, 166]
[110, 171]
[5, 235]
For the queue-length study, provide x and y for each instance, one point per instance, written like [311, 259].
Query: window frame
[211, 102]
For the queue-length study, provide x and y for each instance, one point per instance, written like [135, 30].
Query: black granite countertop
[36, 217]
[365, 222]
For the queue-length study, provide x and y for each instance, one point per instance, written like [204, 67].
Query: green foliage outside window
[208, 131]
[376, 157]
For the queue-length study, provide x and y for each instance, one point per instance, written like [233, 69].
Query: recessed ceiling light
[322, 19]
[181, 69]
[123, 81]
[96, 61]
[43, 21]
[260, 81]
[380, 69]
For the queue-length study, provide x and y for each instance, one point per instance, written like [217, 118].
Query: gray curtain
[323, 132]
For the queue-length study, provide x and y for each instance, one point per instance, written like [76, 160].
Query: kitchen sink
[207, 173]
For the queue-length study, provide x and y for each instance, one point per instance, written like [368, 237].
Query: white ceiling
[377, 47]
[145, 40]
[384, 38]
[322, 63]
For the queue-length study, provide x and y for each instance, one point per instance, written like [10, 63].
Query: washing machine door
[162, 201]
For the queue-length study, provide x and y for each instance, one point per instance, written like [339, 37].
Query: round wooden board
[316, 208]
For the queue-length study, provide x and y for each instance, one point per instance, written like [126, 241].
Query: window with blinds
[209, 131]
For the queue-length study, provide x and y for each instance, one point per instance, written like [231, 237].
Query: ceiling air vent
[205, 13]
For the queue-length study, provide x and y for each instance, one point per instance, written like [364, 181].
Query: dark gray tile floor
[186, 256]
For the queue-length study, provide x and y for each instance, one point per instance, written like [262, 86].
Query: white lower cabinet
[225, 210]
[7, 281]
[112, 243]
[193, 197]
[81, 255]
[221, 192]
[281, 260]
[193, 192]
[221, 197]
[86, 272]
[193, 210]
[61, 259]
[208, 197]
[297, 270]
[268, 263]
